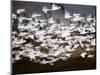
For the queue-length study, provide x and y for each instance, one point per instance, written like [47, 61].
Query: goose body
[55, 7]
[83, 54]
[34, 15]
[67, 15]
[45, 9]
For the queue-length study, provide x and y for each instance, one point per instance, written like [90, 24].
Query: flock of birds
[46, 40]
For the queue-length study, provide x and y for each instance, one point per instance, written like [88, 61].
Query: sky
[36, 7]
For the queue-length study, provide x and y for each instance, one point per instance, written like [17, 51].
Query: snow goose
[28, 45]
[43, 24]
[91, 29]
[65, 33]
[70, 46]
[64, 58]
[20, 19]
[51, 20]
[19, 11]
[83, 30]
[83, 54]
[30, 36]
[68, 55]
[23, 33]
[90, 56]
[93, 42]
[89, 18]
[20, 41]
[77, 17]
[42, 21]
[35, 15]
[69, 49]
[14, 33]
[55, 7]
[14, 16]
[45, 9]
[67, 15]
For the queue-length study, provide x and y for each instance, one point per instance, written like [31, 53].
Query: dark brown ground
[75, 63]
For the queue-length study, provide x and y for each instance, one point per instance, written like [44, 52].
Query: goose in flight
[67, 15]
[90, 56]
[42, 21]
[19, 11]
[83, 54]
[51, 20]
[89, 18]
[34, 15]
[14, 15]
[77, 17]
[45, 9]
[55, 7]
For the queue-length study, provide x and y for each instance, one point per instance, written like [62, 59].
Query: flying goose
[83, 54]
[45, 9]
[55, 7]
[35, 15]
[19, 11]
[67, 15]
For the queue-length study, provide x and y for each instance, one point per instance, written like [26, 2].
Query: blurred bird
[55, 7]
[68, 55]
[23, 34]
[83, 54]
[35, 15]
[14, 16]
[93, 42]
[51, 20]
[45, 9]
[90, 56]
[19, 11]
[89, 18]
[67, 15]
[42, 21]
[77, 17]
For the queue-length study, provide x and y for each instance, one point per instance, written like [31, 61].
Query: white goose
[23, 33]
[83, 54]
[34, 15]
[51, 20]
[93, 42]
[14, 15]
[67, 15]
[45, 9]
[89, 18]
[55, 7]
[20, 11]
[90, 56]
[20, 19]
[77, 17]
[43, 21]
